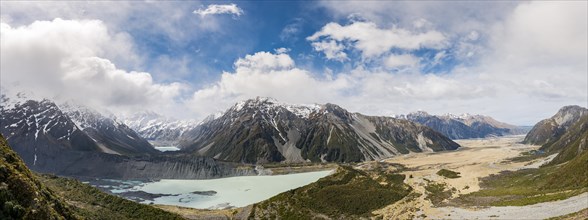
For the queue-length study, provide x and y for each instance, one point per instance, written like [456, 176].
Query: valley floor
[476, 159]
[535, 211]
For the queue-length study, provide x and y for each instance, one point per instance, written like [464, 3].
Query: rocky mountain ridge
[264, 130]
[550, 129]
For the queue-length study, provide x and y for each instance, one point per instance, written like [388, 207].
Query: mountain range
[74, 140]
[348, 193]
[264, 130]
[66, 137]
[464, 126]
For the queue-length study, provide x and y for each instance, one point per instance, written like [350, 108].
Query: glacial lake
[218, 193]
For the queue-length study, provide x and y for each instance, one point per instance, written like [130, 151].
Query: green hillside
[571, 143]
[347, 194]
[24, 195]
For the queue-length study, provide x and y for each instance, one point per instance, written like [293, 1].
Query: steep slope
[569, 166]
[463, 126]
[69, 125]
[112, 136]
[27, 196]
[263, 130]
[41, 130]
[549, 130]
[38, 130]
[22, 196]
[572, 143]
[157, 129]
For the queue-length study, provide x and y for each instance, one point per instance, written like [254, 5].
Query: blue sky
[516, 61]
[261, 28]
[265, 26]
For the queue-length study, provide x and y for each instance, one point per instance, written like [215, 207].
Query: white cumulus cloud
[261, 74]
[522, 60]
[404, 60]
[64, 59]
[214, 9]
[370, 92]
[373, 41]
[331, 49]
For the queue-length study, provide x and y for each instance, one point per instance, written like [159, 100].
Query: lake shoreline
[220, 193]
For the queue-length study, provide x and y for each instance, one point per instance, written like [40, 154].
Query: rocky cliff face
[264, 130]
[464, 126]
[551, 129]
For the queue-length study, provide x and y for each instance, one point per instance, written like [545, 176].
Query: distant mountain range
[264, 130]
[464, 126]
[157, 129]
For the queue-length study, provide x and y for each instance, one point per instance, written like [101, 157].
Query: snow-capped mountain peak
[268, 105]
[32, 123]
[458, 116]
[158, 129]
[264, 130]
